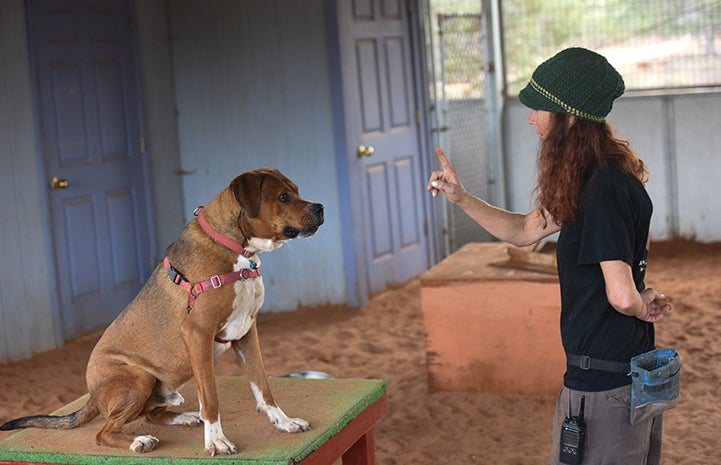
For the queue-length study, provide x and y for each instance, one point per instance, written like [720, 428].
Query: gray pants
[610, 438]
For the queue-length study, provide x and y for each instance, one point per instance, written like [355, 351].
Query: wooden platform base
[342, 413]
[492, 327]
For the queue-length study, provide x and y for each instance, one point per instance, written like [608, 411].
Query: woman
[591, 189]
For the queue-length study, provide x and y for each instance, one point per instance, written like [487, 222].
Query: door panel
[89, 129]
[121, 215]
[380, 106]
[370, 95]
[398, 96]
[73, 150]
[380, 212]
[405, 182]
[112, 117]
[82, 235]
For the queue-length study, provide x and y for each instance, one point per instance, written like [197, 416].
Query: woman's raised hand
[446, 180]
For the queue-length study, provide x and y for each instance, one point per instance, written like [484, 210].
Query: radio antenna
[580, 413]
[570, 409]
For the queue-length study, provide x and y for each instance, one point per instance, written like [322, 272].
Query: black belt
[584, 362]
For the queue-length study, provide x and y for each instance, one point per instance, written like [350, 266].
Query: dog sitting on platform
[200, 301]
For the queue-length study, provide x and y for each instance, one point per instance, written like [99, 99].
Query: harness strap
[214, 282]
[584, 362]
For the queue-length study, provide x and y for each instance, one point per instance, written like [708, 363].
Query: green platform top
[328, 404]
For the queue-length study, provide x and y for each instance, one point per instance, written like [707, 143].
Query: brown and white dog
[202, 300]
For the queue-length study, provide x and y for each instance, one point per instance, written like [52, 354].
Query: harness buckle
[585, 362]
[175, 275]
[215, 281]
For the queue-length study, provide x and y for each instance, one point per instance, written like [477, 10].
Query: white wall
[644, 123]
[697, 122]
[677, 136]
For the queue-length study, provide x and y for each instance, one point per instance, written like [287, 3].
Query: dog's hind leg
[122, 398]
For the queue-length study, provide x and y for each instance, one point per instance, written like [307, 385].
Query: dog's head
[271, 207]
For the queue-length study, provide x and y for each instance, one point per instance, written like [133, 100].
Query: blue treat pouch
[656, 383]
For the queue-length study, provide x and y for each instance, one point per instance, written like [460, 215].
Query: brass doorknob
[58, 183]
[364, 151]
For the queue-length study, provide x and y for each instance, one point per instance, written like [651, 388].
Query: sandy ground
[386, 340]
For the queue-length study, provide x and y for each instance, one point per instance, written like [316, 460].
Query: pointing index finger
[442, 157]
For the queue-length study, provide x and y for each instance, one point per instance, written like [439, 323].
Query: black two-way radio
[573, 432]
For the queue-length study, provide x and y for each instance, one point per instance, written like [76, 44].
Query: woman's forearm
[515, 228]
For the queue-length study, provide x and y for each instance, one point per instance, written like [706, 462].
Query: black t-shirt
[613, 224]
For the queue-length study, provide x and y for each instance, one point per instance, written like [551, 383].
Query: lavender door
[383, 135]
[88, 113]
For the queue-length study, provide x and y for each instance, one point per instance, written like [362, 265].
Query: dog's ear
[246, 189]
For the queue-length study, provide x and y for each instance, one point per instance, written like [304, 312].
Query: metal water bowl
[309, 374]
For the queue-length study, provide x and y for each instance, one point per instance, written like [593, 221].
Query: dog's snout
[311, 221]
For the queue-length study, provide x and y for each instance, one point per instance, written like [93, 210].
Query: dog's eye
[284, 197]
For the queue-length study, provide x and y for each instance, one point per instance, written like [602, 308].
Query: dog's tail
[77, 418]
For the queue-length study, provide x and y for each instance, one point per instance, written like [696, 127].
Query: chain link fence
[654, 44]
[462, 116]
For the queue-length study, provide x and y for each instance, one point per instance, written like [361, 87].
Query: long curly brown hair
[572, 152]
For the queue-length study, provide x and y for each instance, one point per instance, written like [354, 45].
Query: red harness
[215, 281]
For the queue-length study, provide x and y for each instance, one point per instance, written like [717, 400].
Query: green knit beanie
[576, 81]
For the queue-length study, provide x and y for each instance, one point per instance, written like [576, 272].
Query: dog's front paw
[216, 442]
[219, 446]
[144, 444]
[296, 425]
[285, 424]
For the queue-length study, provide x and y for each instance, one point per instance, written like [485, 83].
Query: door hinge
[141, 144]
